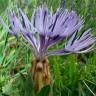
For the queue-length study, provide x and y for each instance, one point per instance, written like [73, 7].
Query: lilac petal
[58, 52]
[85, 35]
[50, 42]
[85, 44]
[48, 28]
[53, 40]
[11, 18]
[27, 26]
[91, 48]
[72, 39]
[25, 20]
[71, 19]
[42, 42]
[66, 26]
[81, 44]
[63, 16]
[55, 18]
[70, 30]
[15, 23]
[35, 41]
[39, 19]
[31, 39]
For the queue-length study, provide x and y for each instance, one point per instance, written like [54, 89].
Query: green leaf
[44, 91]
[1, 58]
[3, 5]
[7, 89]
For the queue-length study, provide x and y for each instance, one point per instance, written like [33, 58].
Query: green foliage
[44, 91]
[72, 76]
[3, 5]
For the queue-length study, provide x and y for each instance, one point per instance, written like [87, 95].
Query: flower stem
[40, 73]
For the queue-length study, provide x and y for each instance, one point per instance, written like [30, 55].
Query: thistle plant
[44, 30]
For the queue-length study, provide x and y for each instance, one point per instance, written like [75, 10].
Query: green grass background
[73, 75]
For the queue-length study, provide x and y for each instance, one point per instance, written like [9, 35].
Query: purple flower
[47, 28]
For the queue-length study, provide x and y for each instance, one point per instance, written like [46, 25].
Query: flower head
[47, 28]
